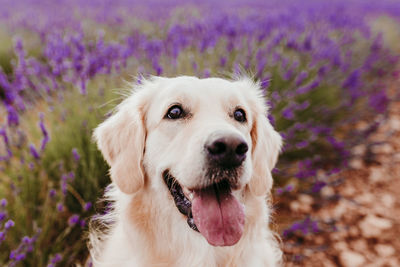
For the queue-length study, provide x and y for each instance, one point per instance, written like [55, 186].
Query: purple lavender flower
[82, 223]
[279, 191]
[46, 137]
[3, 202]
[64, 187]
[73, 220]
[288, 114]
[33, 151]
[2, 236]
[289, 188]
[12, 117]
[75, 154]
[71, 176]
[3, 216]
[301, 77]
[302, 144]
[206, 73]
[379, 100]
[88, 206]
[222, 61]
[318, 186]
[265, 83]
[54, 260]
[9, 224]
[26, 240]
[271, 119]
[52, 193]
[305, 227]
[3, 133]
[20, 257]
[60, 207]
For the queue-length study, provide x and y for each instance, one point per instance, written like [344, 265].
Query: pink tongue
[218, 216]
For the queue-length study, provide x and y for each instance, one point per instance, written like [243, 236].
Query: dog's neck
[144, 210]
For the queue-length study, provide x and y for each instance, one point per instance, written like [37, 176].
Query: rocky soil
[360, 214]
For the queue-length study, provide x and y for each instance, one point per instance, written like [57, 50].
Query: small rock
[348, 191]
[377, 262]
[340, 246]
[396, 157]
[359, 150]
[384, 250]
[305, 199]
[372, 226]
[392, 262]
[365, 198]
[351, 259]
[308, 252]
[340, 209]
[382, 149]
[361, 125]
[302, 204]
[328, 263]
[394, 123]
[360, 245]
[327, 191]
[377, 175]
[388, 200]
[319, 240]
[295, 206]
[356, 164]
[325, 215]
[353, 231]
[339, 235]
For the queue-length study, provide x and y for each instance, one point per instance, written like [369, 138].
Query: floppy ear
[266, 142]
[266, 147]
[121, 139]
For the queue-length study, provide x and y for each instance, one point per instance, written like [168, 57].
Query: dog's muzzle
[211, 208]
[227, 151]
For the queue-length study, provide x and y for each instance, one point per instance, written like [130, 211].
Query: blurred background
[331, 72]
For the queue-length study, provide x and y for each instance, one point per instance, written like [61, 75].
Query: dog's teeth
[188, 193]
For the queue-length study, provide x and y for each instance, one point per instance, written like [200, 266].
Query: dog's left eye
[175, 112]
[239, 115]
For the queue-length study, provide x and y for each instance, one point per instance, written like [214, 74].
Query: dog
[190, 163]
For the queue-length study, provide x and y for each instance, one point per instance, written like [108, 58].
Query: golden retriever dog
[190, 162]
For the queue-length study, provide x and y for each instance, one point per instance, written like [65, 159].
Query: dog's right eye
[175, 112]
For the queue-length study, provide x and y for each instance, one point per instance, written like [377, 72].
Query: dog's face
[203, 140]
[199, 131]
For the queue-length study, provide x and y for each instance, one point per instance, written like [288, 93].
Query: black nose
[227, 151]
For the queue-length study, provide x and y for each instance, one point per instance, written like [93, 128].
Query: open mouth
[181, 201]
[213, 211]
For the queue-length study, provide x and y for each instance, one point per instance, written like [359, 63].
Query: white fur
[145, 227]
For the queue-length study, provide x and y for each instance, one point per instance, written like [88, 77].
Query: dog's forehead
[196, 88]
[198, 93]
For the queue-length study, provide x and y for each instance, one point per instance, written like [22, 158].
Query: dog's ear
[121, 139]
[266, 144]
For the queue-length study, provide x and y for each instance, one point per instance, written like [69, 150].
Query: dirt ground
[364, 207]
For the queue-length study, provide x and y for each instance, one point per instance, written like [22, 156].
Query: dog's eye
[239, 115]
[175, 112]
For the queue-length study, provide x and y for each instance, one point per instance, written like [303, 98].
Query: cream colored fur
[145, 227]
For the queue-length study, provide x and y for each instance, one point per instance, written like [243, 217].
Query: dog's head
[203, 140]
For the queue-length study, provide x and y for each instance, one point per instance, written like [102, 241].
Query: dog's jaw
[182, 198]
[213, 210]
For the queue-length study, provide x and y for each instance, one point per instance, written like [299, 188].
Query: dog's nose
[227, 151]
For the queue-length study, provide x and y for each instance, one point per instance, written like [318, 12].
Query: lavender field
[328, 67]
